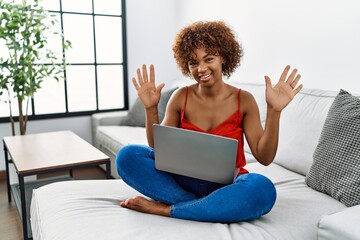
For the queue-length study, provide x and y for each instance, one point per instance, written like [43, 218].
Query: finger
[160, 87]
[295, 81]
[152, 73]
[292, 76]
[139, 76]
[268, 82]
[297, 90]
[136, 85]
[285, 73]
[144, 72]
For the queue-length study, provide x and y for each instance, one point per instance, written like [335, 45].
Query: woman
[207, 51]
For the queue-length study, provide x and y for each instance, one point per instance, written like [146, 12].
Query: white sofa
[89, 209]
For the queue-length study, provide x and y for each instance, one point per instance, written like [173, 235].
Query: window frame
[33, 116]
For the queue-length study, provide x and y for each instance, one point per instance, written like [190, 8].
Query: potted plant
[24, 31]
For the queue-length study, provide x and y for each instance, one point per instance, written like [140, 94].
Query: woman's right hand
[147, 91]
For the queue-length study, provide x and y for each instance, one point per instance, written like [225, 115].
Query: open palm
[147, 91]
[279, 96]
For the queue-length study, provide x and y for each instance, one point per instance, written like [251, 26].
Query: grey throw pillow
[136, 114]
[336, 167]
[165, 96]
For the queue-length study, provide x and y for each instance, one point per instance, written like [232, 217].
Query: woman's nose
[202, 67]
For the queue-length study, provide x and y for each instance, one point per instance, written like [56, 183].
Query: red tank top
[231, 128]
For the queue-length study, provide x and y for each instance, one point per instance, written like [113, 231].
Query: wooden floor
[10, 222]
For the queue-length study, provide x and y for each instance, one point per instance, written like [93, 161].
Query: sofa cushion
[336, 167]
[300, 127]
[89, 209]
[113, 138]
[110, 139]
[297, 209]
[302, 119]
[340, 225]
[136, 114]
[165, 96]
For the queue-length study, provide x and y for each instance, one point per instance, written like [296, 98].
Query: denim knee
[124, 158]
[131, 157]
[261, 194]
[268, 193]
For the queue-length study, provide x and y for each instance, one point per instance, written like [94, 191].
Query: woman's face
[206, 68]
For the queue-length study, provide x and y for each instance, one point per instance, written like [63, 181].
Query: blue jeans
[249, 197]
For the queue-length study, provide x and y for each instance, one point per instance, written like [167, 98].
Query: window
[95, 79]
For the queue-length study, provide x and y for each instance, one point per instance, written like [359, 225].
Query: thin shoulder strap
[239, 100]
[186, 97]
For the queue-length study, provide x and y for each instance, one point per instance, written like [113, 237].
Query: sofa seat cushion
[298, 208]
[88, 209]
[113, 138]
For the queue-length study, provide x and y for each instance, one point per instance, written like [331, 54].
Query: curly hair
[216, 37]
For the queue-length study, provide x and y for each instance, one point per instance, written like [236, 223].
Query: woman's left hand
[279, 96]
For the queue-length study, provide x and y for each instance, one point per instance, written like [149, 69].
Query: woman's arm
[263, 142]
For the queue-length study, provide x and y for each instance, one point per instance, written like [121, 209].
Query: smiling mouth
[205, 77]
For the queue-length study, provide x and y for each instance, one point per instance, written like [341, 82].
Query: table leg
[23, 206]
[7, 172]
[108, 170]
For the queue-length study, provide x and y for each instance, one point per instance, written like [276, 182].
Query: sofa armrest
[108, 118]
[105, 119]
[340, 225]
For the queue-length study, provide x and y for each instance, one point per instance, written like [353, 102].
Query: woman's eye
[192, 64]
[209, 59]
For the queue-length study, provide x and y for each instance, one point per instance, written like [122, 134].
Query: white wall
[321, 38]
[151, 29]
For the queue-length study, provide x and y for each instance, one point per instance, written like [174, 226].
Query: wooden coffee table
[35, 154]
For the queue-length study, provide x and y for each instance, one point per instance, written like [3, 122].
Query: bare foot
[144, 205]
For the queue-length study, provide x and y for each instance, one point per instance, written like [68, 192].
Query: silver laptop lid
[195, 154]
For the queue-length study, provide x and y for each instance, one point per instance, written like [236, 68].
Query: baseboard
[2, 174]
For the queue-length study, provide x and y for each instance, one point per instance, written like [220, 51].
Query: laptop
[195, 154]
